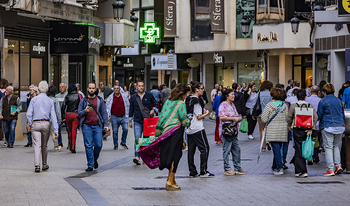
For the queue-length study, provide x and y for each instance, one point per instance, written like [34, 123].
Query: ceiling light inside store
[295, 48]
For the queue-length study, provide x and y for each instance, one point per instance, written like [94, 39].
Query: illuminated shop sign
[149, 33]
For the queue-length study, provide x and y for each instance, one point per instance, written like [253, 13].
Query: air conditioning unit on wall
[88, 2]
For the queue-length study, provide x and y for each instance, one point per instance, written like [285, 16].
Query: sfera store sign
[217, 16]
[163, 62]
[69, 39]
[170, 18]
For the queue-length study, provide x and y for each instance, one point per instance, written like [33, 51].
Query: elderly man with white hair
[40, 112]
[10, 107]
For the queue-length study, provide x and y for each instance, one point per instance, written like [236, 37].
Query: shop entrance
[36, 71]
[75, 72]
[302, 70]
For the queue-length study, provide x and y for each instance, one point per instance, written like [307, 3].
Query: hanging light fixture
[245, 23]
[295, 24]
[118, 10]
[134, 19]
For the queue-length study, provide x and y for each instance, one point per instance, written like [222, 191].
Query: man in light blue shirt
[40, 112]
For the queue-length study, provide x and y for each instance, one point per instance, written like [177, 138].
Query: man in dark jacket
[239, 100]
[148, 102]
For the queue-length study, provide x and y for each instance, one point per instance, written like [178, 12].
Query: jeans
[138, 129]
[332, 153]
[59, 132]
[9, 129]
[277, 156]
[116, 122]
[285, 146]
[234, 148]
[92, 142]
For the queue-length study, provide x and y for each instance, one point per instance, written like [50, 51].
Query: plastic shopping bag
[149, 126]
[244, 126]
[308, 148]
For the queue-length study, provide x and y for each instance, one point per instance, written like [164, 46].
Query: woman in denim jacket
[265, 98]
[332, 124]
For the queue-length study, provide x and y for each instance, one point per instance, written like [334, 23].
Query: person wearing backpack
[332, 123]
[300, 133]
[275, 117]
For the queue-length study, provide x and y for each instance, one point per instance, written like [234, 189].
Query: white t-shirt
[196, 125]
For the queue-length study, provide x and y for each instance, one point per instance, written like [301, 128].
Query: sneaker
[251, 137]
[89, 169]
[115, 147]
[104, 138]
[56, 149]
[193, 175]
[278, 172]
[137, 161]
[263, 150]
[303, 175]
[274, 169]
[5, 144]
[96, 164]
[37, 169]
[208, 174]
[328, 173]
[124, 145]
[59, 148]
[285, 166]
[338, 170]
[268, 146]
[45, 167]
[229, 173]
[240, 172]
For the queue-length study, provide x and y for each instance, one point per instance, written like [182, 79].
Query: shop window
[252, 71]
[149, 16]
[322, 68]
[135, 4]
[245, 9]
[224, 76]
[147, 3]
[24, 65]
[200, 20]
[11, 63]
[153, 78]
[302, 70]
[183, 77]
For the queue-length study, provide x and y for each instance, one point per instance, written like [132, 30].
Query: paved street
[118, 181]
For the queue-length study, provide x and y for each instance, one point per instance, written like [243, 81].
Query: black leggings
[251, 124]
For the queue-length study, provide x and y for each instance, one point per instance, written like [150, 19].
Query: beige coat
[277, 130]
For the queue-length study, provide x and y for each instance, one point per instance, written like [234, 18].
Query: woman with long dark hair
[70, 114]
[165, 149]
[51, 92]
[249, 95]
[229, 114]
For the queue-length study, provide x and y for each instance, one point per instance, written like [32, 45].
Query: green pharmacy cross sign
[149, 33]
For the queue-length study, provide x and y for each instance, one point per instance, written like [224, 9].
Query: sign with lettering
[163, 62]
[149, 33]
[343, 8]
[217, 59]
[273, 37]
[217, 16]
[170, 18]
[38, 48]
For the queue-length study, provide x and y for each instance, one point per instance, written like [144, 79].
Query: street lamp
[134, 19]
[118, 10]
[295, 24]
[318, 8]
[245, 25]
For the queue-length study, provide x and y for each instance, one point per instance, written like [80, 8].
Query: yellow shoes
[171, 187]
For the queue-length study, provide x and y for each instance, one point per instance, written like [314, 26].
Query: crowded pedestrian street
[118, 181]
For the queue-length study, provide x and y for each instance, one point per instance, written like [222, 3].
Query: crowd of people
[181, 111]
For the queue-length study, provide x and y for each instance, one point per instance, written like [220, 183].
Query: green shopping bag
[244, 126]
[308, 148]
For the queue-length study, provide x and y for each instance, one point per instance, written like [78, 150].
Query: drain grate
[242, 160]
[177, 177]
[321, 182]
[148, 188]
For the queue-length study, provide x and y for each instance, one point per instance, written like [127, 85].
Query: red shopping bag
[304, 116]
[149, 126]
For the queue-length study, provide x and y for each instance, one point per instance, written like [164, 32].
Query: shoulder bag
[257, 107]
[144, 111]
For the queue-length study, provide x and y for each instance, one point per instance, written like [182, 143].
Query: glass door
[36, 70]
[75, 73]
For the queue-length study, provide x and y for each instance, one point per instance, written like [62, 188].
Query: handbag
[307, 148]
[257, 107]
[230, 131]
[304, 116]
[244, 126]
[212, 115]
[149, 126]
